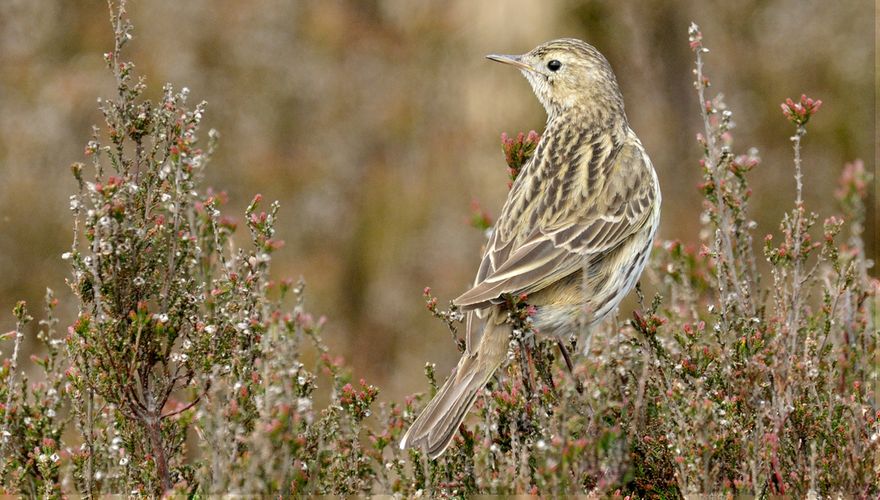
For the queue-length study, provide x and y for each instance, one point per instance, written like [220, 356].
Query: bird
[573, 236]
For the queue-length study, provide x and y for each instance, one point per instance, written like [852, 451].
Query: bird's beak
[511, 60]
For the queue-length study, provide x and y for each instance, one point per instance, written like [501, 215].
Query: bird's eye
[554, 65]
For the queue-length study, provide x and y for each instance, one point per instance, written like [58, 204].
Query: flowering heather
[480, 219]
[800, 112]
[751, 371]
[517, 151]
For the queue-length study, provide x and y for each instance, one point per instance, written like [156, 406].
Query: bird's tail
[436, 426]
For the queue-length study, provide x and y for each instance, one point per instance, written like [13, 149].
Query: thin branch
[22, 318]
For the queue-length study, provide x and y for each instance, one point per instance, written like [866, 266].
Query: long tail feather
[434, 429]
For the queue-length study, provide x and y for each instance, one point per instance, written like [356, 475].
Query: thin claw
[577, 382]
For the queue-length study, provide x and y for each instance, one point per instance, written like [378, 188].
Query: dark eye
[554, 65]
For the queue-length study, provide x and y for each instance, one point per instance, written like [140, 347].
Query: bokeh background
[377, 123]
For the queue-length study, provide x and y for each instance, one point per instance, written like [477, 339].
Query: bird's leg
[577, 382]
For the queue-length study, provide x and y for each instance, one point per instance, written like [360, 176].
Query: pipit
[574, 234]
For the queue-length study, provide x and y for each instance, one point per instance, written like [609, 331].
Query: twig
[726, 229]
[794, 311]
[21, 319]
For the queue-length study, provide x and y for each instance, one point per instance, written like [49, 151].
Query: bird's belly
[558, 321]
[576, 302]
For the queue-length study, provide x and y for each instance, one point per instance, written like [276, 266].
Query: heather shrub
[750, 368]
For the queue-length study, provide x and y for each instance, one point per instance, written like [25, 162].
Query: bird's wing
[560, 242]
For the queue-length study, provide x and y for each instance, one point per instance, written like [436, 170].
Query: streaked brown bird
[574, 234]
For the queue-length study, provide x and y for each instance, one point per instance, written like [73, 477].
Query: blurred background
[377, 123]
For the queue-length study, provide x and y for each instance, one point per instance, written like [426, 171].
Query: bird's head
[570, 77]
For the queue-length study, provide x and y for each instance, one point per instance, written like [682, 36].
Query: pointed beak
[511, 60]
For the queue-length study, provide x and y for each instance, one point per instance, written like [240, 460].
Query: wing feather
[557, 246]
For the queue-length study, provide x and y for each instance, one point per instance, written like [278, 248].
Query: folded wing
[561, 246]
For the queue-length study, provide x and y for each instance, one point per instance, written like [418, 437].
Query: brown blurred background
[375, 123]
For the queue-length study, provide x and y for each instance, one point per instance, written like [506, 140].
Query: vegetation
[190, 370]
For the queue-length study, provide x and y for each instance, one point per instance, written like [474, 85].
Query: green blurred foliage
[376, 124]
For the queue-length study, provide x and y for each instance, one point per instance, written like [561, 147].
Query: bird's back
[570, 165]
[601, 177]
